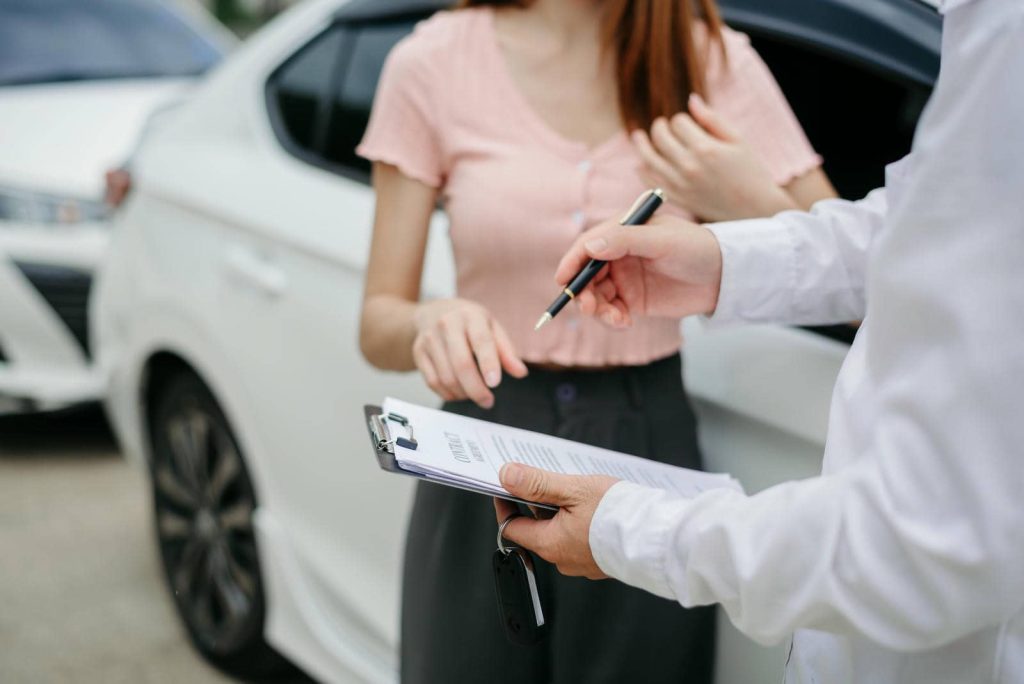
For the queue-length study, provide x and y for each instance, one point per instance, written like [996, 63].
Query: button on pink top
[517, 193]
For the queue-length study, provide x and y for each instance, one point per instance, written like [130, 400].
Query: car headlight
[24, 206]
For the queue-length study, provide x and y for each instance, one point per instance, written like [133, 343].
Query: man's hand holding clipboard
[556, 540]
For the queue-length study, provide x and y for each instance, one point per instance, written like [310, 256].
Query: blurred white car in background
[226, 321]
[78, 79]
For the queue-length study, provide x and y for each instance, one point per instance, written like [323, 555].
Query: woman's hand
[670, 268]
[461, 350]
[704, 167]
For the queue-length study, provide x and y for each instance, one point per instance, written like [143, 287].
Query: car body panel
[90, 127]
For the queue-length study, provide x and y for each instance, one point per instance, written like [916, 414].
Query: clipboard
[382, 439]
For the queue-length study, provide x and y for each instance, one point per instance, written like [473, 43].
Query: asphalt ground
[81, 596]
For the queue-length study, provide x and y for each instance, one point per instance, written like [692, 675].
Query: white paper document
[468, 452]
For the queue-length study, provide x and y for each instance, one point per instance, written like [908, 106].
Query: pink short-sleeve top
[517, 193]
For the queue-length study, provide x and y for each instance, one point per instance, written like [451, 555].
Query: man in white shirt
[904, 561]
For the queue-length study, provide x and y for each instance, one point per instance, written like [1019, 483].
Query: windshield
[47, 41]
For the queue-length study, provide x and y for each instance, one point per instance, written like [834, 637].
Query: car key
[519, 603]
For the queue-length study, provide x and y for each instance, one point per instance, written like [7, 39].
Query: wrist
[428, 311]
[714, 286]
[776, 202]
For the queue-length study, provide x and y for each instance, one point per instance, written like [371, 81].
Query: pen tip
[542, 322]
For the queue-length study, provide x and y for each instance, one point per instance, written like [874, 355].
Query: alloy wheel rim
[204, 508]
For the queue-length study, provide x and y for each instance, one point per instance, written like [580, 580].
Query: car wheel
[203, 503]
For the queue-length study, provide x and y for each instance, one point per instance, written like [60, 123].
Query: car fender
[166, 327]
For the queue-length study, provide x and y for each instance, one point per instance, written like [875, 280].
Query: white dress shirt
[904, 561]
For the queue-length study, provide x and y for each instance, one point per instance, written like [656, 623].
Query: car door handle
[256, 270]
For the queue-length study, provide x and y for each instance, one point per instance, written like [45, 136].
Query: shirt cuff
[630, 535]
[758, 270]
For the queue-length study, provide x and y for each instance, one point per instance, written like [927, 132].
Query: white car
[78, 79]
[226, 320]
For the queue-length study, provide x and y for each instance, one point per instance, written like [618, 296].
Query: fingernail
[511, 475]
[596, 245]
[493, 378]
[695, 99]
[487, 403]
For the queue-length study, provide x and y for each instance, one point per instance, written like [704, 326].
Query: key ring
[501, 530]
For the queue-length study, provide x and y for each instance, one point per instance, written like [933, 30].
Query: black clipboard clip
[384, 438]
[383, 434]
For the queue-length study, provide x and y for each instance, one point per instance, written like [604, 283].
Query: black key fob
[518, 598]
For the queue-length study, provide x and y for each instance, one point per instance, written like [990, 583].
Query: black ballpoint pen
[641, 212]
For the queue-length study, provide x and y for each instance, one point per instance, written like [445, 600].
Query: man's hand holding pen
[669, 267]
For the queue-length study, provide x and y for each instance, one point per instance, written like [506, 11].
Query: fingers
[578, 255]
[463, 363]
[429, 371]
[608, 305]
[510, 361]
[485, 349]
[610, 241]
[541, 486]
[519, 531]
[504, 508]
[586, 302]
[530, 534]
[614, 313]
[665, 140]
[437, 352]
[711, 120]
[690, 133]
[602, 301]
[651, 157]
[602, 240]
[619, 241]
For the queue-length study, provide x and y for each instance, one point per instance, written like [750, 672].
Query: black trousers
[598, 631]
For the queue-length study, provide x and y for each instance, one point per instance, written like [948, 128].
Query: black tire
[203, 505]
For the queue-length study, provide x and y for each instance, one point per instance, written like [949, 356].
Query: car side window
[353, 99]
[300, 86]
[320, 99]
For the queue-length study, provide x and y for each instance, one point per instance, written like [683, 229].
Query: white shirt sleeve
[914, 536]
[798, 268]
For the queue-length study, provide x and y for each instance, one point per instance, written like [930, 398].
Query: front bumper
[26, 392]
[46, 275]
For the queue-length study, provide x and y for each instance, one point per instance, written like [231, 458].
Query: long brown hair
[657, 61]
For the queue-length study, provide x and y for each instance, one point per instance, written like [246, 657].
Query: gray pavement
[81, 599]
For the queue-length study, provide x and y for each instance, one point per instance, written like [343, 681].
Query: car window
[302, 84]
[353, 99]
[49, 41]
[320, 99]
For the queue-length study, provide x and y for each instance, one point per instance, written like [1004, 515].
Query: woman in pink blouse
[530, 122]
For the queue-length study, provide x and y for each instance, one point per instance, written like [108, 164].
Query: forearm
[798, 268]
[826, 553]
[387, 331]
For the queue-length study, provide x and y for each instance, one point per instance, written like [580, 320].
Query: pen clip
[639, 201]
